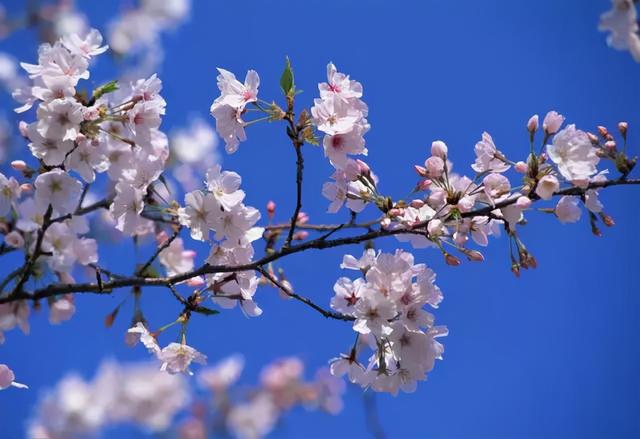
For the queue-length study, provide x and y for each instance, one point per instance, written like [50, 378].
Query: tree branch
[318, 244]
[306, 301]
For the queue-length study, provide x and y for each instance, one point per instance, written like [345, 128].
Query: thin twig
[288, 292]
[159, 250]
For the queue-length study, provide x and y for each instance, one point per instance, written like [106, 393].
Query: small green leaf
[150, 271]
[206, 311]
[286, 80]
[109, 87]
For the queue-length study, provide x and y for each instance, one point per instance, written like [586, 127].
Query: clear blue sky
[553, 354]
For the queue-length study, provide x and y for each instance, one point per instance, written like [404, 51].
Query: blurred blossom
[118, 393]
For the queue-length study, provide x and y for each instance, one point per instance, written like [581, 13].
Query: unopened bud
[195, 281]
[395, 212]
[271, 209]
[420, 170]
[474, 255]
[593, 138]
[610, 145]
[26, 187]
[363, 167]
[623, 127]
[19, 165]
[532, 125]
[302, 218]
[439, 149]
[451, 260]
[515, 269]
[424, 185]
[603, 131]
[435, 166]
[521, 167]
[607, 220]
[300, 235]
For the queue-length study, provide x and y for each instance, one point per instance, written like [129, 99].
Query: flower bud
[532, 125]
[474, 255]
[439, 149]
[552, 122]
[607, 220]
[363, 167]
[593, 138]
[19, 165]
[300, 235]
[395, 212]
[195, 281]
[424, 185]
[420, 170]
[26, 187]
[451, 260]
[521, 167]
[302, 218]
[603, 131]
[623, 127]
[610, 145]
[271, 209]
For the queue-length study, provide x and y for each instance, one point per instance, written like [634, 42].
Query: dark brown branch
[299, 169]
[306, 301]
[159, 250]
[318, 244]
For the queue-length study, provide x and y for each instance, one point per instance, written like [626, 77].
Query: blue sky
[552, 354]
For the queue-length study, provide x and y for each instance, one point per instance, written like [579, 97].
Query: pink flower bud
[435, 166]
[420, 170]
[623, 127]
[189, 254]
[521, 167]
[424, 184]
[23, 127]
[610, 145]
[592, 138]
[195, 281]
[439, 149]
[416, 204]
[7, 376]
[451, 260]
[26, 187]
[474, 255]
[271, 209]
[19, 165]
[300, 235]
[532, 125]
[523, 202]
[603, 131]
[302, 218]
[552, 122]
[363, 167]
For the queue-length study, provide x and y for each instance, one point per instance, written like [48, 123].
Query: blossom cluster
[390, 319]
[622, 23]
[220, 209]
[138, 394]
[141, 395]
